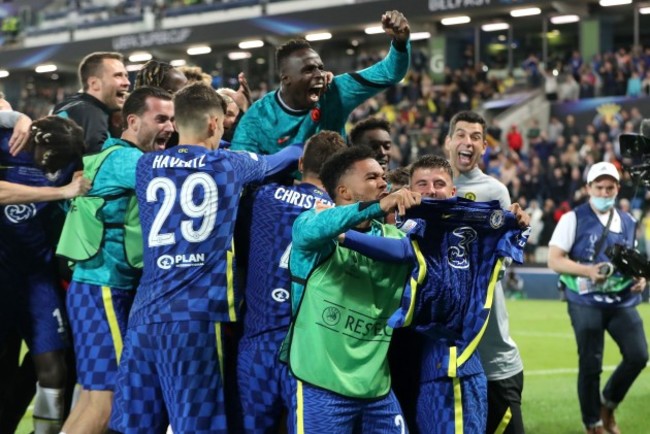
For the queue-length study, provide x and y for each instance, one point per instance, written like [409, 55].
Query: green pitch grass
[544, 335]
[542, 330]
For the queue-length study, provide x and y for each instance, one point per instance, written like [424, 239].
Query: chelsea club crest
[497, 218]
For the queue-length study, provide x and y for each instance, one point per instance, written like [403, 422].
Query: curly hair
[56, 143]
[153, 73]
[195, 74]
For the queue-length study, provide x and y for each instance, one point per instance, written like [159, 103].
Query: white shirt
[564, 234]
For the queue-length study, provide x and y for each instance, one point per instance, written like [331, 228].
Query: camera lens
[606, 270]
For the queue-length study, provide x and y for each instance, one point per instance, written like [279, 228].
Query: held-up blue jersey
[449, 295]
[268, 282]
[188, 198]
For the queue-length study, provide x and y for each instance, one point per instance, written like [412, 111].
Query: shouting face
[466, 144]
[303, 79]
[154, 127]
[111, 85]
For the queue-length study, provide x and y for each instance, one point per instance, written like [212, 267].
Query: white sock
[48, 410]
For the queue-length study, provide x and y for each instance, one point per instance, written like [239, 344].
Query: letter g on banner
[437, 63]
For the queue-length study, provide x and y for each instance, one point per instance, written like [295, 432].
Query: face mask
[602, 204]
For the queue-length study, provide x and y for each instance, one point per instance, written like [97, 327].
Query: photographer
[599, 296]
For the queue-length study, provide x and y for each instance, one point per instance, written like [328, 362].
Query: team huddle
[180, 239]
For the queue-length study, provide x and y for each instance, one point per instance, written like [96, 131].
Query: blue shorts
[265, 386]
[98, 318]
[33, 304]
[440, 400]
[317, 411]
[171, 373]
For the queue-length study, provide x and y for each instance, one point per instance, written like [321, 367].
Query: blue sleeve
[356, 87]
[383, 249]
[312, 229]
[251, 167]
[283, 159]
[512, 243]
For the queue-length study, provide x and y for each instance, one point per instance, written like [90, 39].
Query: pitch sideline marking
[544, 334]
[540, 372]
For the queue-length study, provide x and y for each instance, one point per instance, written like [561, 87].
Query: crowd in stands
[544, 169]
[623, 72]
[61, 16]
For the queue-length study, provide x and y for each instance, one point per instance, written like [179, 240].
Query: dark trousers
[504, 405]
[626, 328]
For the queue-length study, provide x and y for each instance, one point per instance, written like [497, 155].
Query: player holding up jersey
[449, 296]
[466, 143]
[337, 344]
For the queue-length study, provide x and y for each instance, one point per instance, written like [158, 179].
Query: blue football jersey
[25, 228]
[268, 281]
[188, 198]
[20, 169]
[450, 294]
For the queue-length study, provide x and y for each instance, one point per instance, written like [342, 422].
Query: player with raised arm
[171, 369]
[305, 104]
[448, 298]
